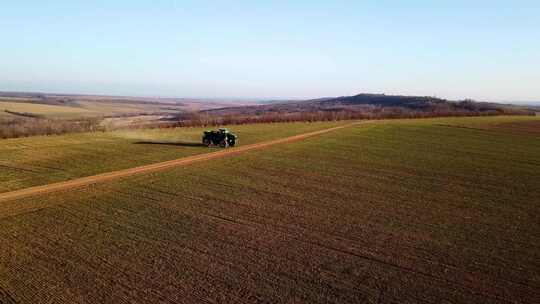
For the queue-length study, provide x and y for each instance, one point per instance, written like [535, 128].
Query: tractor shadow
[171, 143]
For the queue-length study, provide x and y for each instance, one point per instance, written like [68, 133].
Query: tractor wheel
[207, 143]
[223, 144]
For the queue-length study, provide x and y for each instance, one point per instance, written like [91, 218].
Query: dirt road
[84, 181]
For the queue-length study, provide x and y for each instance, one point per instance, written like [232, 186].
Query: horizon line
[228, 98]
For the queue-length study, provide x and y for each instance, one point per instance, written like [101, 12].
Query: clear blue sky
[454, 49]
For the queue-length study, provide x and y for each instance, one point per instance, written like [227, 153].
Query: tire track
[89, 180]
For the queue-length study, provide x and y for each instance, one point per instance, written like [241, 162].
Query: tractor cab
[220, 137]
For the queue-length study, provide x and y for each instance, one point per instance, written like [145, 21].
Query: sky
[485, 50]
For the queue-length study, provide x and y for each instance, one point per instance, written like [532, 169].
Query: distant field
[17, 99]
[404, 211]
[91, 106]
[111, 108]
[85, 108]
[32, 161]
[4, 114]
[45, 110]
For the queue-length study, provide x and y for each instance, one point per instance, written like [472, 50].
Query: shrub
[31, 126]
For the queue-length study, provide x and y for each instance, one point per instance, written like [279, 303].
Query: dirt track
[84, 181]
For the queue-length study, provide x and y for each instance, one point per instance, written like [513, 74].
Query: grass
[26, 162]
[408, 211]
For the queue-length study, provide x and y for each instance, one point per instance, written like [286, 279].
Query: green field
[404, 211]
[39, 160]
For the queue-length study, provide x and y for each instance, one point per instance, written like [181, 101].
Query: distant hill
[361, 106]
[413, 102]
[367, 103]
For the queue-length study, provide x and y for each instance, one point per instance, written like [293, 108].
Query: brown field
[532, 127]
[404, 211]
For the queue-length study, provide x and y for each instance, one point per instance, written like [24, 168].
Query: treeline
[208, 119]
[23, 125]
[32, 126]
[24, 114]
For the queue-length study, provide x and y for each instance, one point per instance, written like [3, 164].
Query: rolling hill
[370, 103]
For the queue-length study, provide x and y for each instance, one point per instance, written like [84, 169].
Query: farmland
[402, 211]
[79, 106]
[32, 114]
[81, 109]
[43, 110]
[39, 160]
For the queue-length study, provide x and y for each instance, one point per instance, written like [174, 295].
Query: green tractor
[220, 137]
